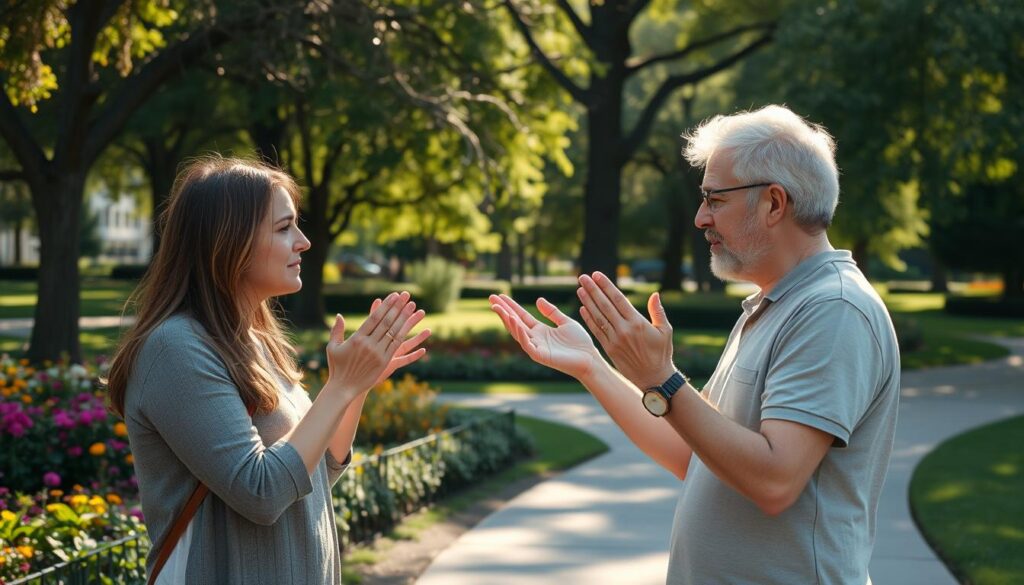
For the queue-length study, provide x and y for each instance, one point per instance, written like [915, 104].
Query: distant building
[123, 231]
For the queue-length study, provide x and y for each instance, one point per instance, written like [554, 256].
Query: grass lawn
[966, 499]
[558, 447]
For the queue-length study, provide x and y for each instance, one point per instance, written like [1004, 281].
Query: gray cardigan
[266, 520]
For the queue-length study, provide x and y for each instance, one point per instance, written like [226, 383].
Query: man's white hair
[775, 145]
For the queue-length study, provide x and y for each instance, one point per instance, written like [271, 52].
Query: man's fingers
[600, 304]
[613, 294]
[597, 328]
[551, 312]
[528, 320]
[657, 311]
[404, 360]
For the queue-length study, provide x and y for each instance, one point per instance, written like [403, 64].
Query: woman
[206, 351]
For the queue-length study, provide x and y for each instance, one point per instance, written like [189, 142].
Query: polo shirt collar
[795, 276]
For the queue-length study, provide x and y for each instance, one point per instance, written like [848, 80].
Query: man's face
[738, 238]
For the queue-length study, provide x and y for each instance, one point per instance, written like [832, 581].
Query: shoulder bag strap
[179, 527]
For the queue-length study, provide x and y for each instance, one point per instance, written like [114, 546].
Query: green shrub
[379, 489]
[985, 307]
[439, 282]
[20, 273]
[909, 334]
[128, 271]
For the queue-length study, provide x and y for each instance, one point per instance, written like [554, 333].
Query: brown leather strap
[180, 525]
[178, 529]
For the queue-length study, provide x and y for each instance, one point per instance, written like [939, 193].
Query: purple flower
[85, 418]
[51, 479]
[75, 451]
[63, 420]
[138, 514]
[16, 430]
[116, 445]
[57, 385]
[114, 470]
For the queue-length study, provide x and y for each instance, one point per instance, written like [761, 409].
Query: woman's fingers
[377, 313]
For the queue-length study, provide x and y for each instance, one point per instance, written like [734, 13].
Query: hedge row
[985, 307]
[376, 493]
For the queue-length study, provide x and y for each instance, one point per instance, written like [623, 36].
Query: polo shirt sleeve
[825, 370]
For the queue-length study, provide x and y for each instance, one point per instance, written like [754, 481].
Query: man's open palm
[567, 347]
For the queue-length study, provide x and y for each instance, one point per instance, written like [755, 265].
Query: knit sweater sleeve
[191, 401]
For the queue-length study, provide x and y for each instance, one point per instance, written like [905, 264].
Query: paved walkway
[23, 327]
[608, 521]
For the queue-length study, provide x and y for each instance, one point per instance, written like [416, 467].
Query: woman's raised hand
[358, 363]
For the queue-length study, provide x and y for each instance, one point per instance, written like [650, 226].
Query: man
[785, 449]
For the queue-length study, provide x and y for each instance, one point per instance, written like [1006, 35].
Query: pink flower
[75, 451]
[51, 479]
[63, 420]
[85, 418]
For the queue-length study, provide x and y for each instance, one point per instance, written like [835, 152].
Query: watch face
[655, 403]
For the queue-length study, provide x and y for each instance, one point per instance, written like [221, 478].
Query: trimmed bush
[909, 334]
[439, 282]
[480, 290]
[985, 307]
[21, 273]
[559, 294]
[698, 317]
[128, 271]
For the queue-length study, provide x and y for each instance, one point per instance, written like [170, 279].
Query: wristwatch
[658, 399]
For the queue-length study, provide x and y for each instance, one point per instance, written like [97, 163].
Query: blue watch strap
[672, 385]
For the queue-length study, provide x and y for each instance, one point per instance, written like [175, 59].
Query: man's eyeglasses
[714, 204]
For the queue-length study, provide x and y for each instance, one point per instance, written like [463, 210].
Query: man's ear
[778, 203]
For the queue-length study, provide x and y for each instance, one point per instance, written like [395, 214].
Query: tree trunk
[521, 257]
[535, 253]
[1013, 283]
[18, 226]
[58, 206]
[160, 166]
[504, 260]
[601, 198]
[860, 256]
[940, 277]
[306, 308]
[672, 255]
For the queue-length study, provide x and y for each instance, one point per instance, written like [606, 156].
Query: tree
[612, 64]
[85, 104]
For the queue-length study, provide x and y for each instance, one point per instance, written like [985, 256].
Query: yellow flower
[52, 507]
[97, 449]
[114, 499]
[98, 505]
[7, 515]
[79, 500]
[120, 429]
[26, 551]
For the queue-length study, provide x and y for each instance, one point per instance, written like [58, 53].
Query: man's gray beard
[732, 266]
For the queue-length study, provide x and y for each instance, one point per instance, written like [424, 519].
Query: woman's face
[275, 266]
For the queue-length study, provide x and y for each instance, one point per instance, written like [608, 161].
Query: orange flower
[26, 399]
[26, 551]
[120, 429]
[114, 499]
[97, 449]
[129, 459]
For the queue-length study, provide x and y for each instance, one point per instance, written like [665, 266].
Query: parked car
[650, 270]
[355, 266]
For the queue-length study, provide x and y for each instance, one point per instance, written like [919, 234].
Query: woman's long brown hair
[209, 228]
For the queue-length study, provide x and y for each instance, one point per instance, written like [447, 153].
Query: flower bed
[68, 485]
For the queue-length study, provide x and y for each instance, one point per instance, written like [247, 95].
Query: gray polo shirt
[819, 350]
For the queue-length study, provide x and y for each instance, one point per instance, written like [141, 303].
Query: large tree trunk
[160, 166]
[939, 276]
[18, 227]
[1013, 283]
[58, 206]
[672, 255]
[601, 198]
[521, 257]
[860, 256]
[504, 260]
[306, 308]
